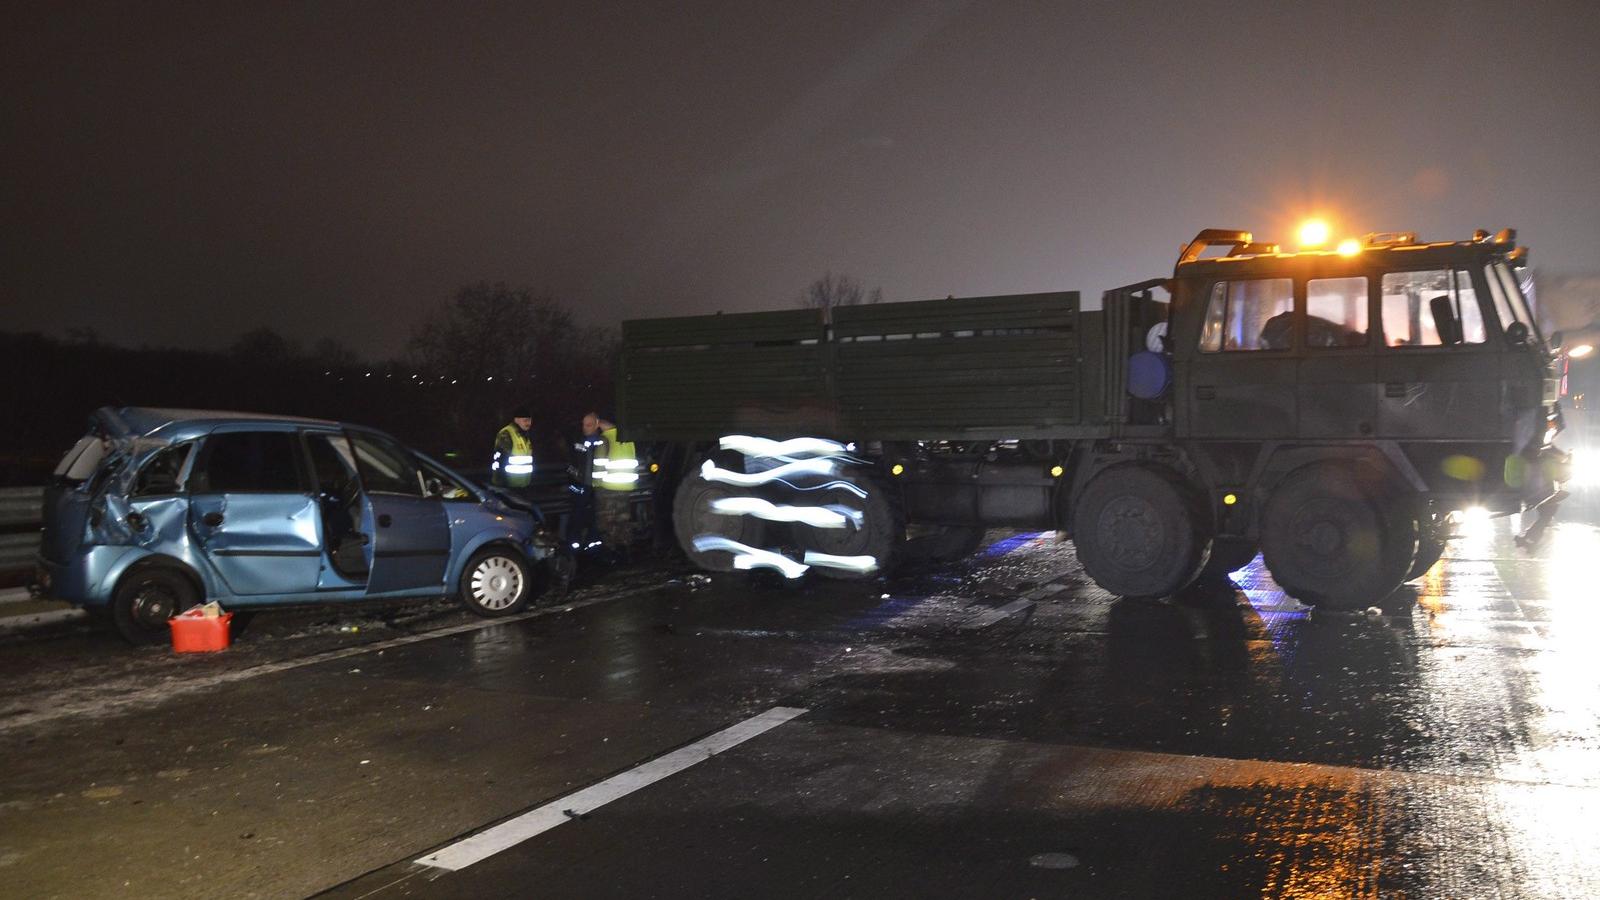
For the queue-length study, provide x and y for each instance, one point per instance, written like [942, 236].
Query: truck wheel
[146, 598]
[693, 517]
[1229, 555]
[1138, 532]
[1430, 546]
[1329, 543]
[881, 535]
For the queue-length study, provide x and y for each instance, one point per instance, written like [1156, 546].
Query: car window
[1336, 312]
[1408, 307]
[333, 463]
[443, 483]
[386, 468]
[163, 473]
[257, 462]
[1255, 314]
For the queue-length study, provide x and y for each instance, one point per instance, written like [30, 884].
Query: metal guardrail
[21, 516]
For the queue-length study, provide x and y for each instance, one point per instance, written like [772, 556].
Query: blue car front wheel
[496, 582]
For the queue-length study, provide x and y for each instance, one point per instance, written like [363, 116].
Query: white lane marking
[511, 832]
[101, 699]
[990, 616]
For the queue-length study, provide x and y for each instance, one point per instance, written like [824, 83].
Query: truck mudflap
[1551, 469]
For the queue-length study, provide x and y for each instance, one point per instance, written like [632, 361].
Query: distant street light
[1580, 351]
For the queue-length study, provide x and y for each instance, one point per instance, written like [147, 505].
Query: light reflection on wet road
[962, 725]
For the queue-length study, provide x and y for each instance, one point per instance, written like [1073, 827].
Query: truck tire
[1330, 543]
[1139, 532]
[1430, 546]
[1229, 555]
[881, 536]
[693, 517]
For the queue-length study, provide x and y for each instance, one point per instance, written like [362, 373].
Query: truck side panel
[958, 368]
[696, 377]
[955, 369]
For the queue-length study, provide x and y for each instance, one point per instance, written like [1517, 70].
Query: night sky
[174, 175]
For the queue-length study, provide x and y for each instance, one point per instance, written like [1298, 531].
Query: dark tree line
[469, 362]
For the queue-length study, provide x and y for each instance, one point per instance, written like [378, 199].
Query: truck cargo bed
[954, 369]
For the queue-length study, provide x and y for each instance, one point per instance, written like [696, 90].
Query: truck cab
[1391, 381]
[1430, 347]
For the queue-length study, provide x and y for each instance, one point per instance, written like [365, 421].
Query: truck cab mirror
[1517, 332]
[1444, 319]
[1556, 340]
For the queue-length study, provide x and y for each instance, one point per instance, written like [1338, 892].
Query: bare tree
[507, 347]
[837, 290]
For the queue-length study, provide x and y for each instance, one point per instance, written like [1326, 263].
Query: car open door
[410, 533]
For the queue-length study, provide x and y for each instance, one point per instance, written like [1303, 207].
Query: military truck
[1331, 409]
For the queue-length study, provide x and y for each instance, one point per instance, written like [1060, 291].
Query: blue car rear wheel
[146, 598]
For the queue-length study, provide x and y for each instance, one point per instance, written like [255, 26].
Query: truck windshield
[1509, 303]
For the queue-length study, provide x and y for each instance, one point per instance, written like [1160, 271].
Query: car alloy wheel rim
[496, 583]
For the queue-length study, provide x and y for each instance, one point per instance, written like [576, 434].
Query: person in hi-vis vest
[512, 464]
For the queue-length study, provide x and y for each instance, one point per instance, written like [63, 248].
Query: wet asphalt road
[1000, 728]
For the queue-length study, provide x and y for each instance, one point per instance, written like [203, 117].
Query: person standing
[512, 464]
[613, 474]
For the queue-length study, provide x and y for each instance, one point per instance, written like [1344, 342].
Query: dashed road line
[511, 832]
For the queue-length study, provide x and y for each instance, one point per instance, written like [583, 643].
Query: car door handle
[212, 519]
[1394, 389]
[1205, 392]
[384, 520]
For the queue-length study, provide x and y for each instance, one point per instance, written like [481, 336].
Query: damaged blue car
[157, 510]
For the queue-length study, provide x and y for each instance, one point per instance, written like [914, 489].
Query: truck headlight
[1585, 469]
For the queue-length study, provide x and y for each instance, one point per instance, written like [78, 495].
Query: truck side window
[1408, 314]
[1336, 312]
[1256, 314]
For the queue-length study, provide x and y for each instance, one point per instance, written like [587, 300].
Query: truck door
[1242, 381]
[1436, 385]
[410, 532]
[253, 514]
[1337, 390]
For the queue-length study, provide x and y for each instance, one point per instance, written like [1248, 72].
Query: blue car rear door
[410, 545]
[252, 511]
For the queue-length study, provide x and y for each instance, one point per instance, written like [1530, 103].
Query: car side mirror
[1556, 340]
[1444, 320]
[1517, 332]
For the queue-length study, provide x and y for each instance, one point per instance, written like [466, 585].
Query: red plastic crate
[193, 632]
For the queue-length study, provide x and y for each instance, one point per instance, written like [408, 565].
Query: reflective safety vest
[513, 468]
[616, 465]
